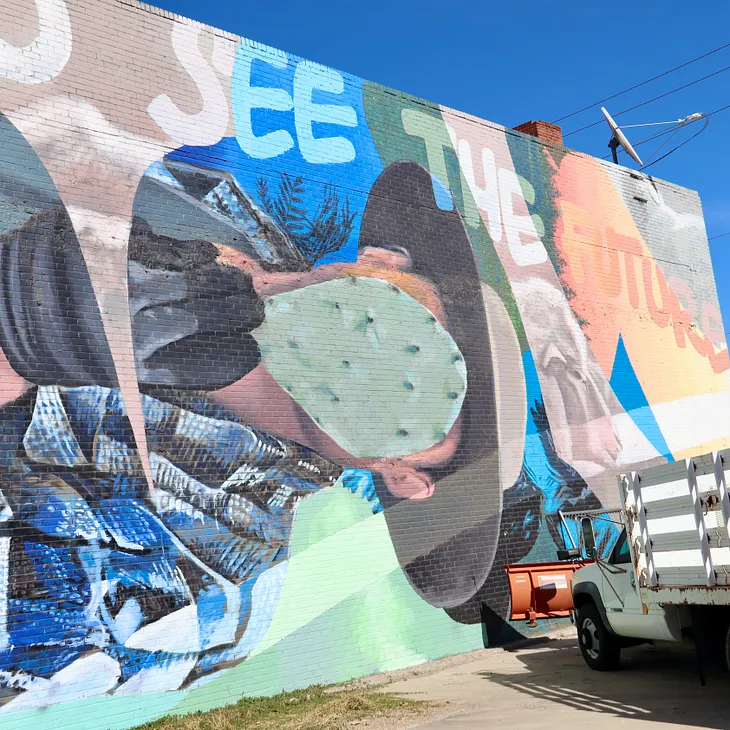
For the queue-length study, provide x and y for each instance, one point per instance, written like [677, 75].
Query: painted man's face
[576, 393]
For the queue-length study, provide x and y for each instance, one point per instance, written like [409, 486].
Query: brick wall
[293, 364]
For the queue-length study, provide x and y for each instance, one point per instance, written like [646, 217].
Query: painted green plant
[326, 230]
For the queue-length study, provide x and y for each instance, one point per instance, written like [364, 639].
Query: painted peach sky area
[591, 431]
[622, 291]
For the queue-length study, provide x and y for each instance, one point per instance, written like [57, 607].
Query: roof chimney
[542, 130]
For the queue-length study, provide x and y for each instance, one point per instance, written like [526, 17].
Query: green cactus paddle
[371, 366]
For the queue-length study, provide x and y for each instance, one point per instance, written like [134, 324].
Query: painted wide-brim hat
[446, 543]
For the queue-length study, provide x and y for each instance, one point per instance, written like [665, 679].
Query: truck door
[622, 601]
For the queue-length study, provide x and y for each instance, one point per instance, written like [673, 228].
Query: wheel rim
[589, 638]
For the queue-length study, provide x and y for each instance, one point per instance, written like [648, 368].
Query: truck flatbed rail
[677, 519]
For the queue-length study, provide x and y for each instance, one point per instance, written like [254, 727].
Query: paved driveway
[549, 686]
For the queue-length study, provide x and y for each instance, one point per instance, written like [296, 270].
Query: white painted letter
[524, 244]
[207, 126]
[43, 58]
[246, 98]
[486, 198]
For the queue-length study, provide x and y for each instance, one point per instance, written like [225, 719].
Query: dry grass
[315, 708]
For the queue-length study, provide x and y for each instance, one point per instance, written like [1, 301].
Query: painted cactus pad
[372, 367]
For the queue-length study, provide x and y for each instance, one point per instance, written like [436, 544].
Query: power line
[656, 98]
[674, 149]
[643, 83]
[656, 135]
[650, 101]
[666, 131]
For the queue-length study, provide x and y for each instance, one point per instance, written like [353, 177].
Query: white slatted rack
[695, 472]
[678, 515]
[640, 535]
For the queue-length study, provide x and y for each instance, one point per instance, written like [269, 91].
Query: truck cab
[663, 576]
[609, 612]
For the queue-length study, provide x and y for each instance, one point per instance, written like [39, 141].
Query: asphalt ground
[547, 685]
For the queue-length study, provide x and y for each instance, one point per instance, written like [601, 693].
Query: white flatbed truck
[668, 576]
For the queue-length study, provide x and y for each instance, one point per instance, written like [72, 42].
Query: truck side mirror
[569, 554]
[589, 539]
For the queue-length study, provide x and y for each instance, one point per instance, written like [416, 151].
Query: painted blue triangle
[630, 394]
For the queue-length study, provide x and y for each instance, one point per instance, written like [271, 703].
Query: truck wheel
[601, 650]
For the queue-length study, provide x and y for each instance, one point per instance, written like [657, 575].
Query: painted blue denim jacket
[171, 582]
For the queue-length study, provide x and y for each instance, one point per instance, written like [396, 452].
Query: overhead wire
[674, 133]
[643, 83]
[643, 140]
[670, 130]
[649, 138]
[651, 101]
[663, 132]
[682, 144]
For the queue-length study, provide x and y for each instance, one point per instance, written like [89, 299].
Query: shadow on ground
[654, 684]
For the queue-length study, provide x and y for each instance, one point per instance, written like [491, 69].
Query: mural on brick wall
[288, 377]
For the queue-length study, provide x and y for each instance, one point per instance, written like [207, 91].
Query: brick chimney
[542, 130]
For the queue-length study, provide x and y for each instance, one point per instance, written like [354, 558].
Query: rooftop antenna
[618, 138]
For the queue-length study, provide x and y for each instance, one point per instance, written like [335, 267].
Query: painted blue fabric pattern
[165, 583]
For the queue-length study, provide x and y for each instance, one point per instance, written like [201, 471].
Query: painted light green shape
[373, 368]
[436, 139]
[327, 514]
[429, 145]
[539, 225]
[318, 579]
[528, 193]
[346, 610]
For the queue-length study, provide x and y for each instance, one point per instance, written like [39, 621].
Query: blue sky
[511, 62]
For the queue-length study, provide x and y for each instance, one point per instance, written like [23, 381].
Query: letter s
[207, 126]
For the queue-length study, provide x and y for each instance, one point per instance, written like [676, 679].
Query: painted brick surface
[293, 364]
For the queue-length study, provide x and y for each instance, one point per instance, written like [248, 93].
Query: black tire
[600, 649]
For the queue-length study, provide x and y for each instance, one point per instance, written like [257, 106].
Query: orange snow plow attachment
[541, 590]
